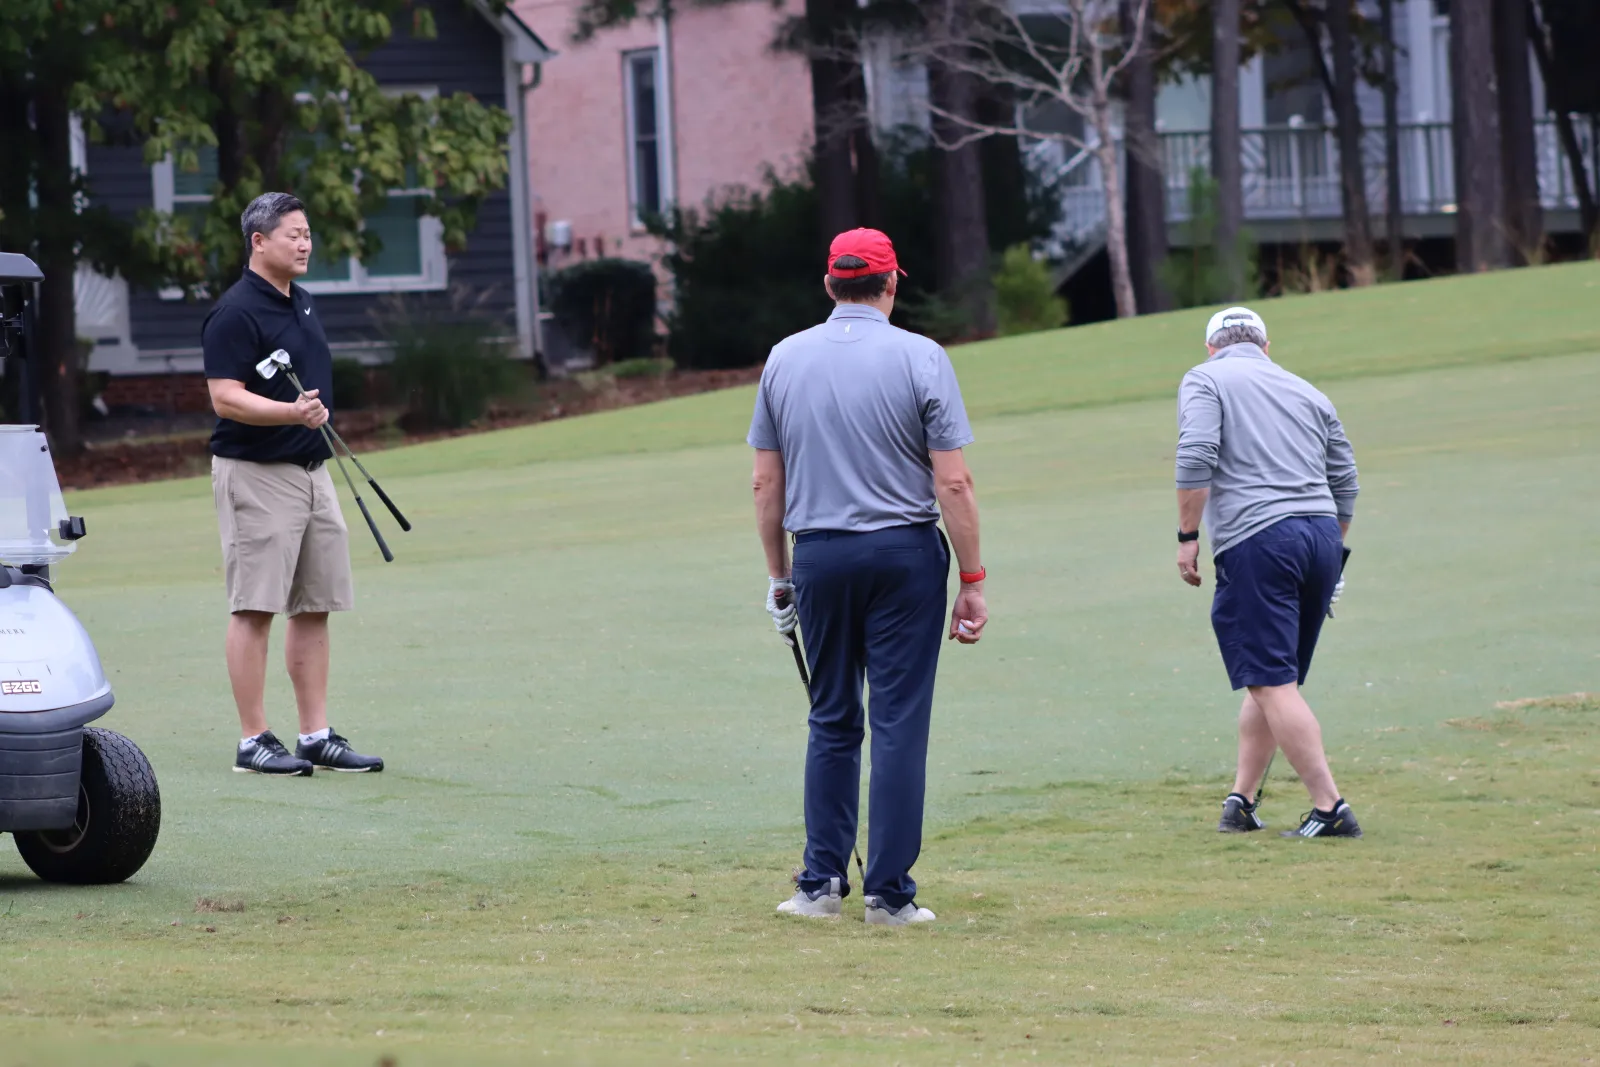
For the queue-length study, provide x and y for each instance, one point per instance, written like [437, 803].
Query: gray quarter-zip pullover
[1268, 444]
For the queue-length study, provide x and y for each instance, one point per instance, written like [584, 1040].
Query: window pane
[400, 230]
[193, 214]
[649, 176]
[323, 271]
[196, 183]
[644, 133]
[644, 95]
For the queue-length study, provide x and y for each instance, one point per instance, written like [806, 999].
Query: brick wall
[737, 108]
[170, 394]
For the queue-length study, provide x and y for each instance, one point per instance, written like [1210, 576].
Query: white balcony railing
[1293, 173]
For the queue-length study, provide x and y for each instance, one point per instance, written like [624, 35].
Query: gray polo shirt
[854, 405]
[1267, 443]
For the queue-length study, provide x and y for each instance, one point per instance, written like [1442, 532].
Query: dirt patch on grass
[132, 460]
[1568, 702]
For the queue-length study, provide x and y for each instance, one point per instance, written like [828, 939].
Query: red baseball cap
[873, 246]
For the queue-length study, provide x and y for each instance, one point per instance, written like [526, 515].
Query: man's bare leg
[247, 667]
[1256, 746]
[1297, 732]
[305, 653]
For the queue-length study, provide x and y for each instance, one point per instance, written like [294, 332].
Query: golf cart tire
[118, 818]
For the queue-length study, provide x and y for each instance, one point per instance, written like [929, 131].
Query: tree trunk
[1227, 166]
[1147, 191]
[1005, 178]
[869, 211]
[1480, 239]
[57, 356]
[961, 228]
[1524, 215]
[16, 175]
[1359, 260]
[832, 121]
[1588, 210]
[1394, 207]
[1116, 223]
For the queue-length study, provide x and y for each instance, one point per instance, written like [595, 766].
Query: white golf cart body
[51, 681]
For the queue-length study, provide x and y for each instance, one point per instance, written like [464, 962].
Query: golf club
[1262, 788]
[281, 357]
[792, 639]
[267, 368]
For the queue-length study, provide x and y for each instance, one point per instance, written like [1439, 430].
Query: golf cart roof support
[17, 333]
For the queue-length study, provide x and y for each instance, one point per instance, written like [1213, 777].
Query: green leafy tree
[275, 87]
[50, 53]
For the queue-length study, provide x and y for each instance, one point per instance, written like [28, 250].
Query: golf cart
[81, 802]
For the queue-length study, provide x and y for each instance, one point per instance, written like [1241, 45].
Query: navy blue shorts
[1273, 590]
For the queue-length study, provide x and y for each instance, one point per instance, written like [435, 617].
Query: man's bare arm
[231, 400]
[768, 484]
[1191, 507]
[952, 483]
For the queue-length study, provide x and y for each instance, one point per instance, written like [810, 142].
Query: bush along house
[146, 342]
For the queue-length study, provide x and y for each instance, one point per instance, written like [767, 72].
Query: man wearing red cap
[858, 431]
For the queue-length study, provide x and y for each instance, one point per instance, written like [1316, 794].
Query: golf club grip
[388, 557]
[376, 488]
[792, 639]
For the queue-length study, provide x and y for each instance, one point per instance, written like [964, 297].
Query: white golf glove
[1338, 591]
[783, 618]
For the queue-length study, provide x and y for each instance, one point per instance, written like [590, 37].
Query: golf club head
[268, 367]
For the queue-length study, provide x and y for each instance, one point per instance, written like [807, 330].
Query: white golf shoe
[823, 904]
[880, 914]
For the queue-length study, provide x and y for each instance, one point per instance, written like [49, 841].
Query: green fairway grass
[595, 744]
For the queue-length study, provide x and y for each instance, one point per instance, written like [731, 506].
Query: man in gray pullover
[1262, 456]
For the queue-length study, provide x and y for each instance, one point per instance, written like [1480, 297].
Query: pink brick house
[655, 114]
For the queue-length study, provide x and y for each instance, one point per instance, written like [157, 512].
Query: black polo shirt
[250, 322]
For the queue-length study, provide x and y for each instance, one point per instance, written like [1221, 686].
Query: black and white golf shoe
[335, 754]
[1340, 822]
[1239, 816]
[265, 754]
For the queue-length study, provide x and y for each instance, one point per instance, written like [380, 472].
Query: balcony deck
[1291, 183]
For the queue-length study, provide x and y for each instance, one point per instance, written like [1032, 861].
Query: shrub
[641, 368]
[1025, 294]
[447, 368]
[350, 390]
[606, 307]
[747, 272]
[1195, 276]
[747, 266]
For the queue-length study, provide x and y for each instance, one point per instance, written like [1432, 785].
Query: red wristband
[974, 577]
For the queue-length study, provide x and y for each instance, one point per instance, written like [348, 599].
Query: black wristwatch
[1185, 538]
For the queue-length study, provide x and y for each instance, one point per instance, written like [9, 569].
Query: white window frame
[663, 134]
[435, 274]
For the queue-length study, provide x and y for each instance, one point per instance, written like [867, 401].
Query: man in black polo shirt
[285, 549]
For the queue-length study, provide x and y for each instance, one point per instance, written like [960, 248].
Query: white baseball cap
[1234, 317]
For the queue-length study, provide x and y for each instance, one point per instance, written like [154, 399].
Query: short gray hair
[266, 212]
[1237, 335]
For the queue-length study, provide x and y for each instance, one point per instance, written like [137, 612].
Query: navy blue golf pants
[871, 607]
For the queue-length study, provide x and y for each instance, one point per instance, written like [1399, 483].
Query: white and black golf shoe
[265, 754]
[1239, 816]
[880, 914]
[335, 754]
[823, 904]
[1340, 822]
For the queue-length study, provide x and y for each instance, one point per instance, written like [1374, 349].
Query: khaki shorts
[285, 547]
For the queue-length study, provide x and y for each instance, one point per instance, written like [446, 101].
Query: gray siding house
[139, 331]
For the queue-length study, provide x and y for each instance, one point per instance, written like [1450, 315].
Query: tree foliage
[276, 88]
